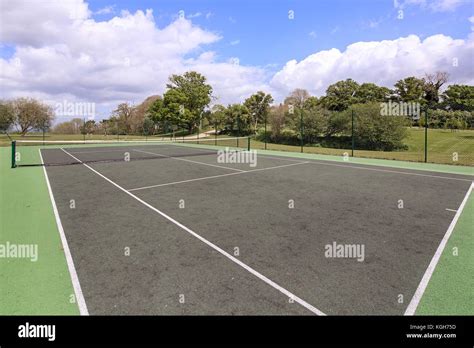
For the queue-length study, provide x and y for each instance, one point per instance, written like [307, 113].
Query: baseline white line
[453, 210]
[67, 252]
[390, 171]
[214, 176]
[212, 245]
[411, 309]
[186, 160]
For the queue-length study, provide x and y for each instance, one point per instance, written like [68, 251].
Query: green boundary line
[44, 287]
[26, 217]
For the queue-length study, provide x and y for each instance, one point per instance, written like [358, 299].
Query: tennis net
[56, 152]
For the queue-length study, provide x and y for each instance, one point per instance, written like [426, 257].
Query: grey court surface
[236, 247]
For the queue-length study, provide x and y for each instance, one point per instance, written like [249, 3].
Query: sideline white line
[453, 210]
[186, 160]
[70, 263]
[390, 171]
[411, 309]
[213, 246]
[214, 176]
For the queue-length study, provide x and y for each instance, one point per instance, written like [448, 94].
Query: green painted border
[26, 217]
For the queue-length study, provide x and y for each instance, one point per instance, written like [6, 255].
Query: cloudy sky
[107, 52]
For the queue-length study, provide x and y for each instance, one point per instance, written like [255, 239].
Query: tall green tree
[459, 97]
[258, 105]
[410, 89]
[238, 119]
[370, 92]
[340, 95]
[187, 97]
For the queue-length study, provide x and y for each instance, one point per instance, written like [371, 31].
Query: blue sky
[267, 36]
[107, 52]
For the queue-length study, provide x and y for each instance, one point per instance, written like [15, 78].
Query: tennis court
[169, 229]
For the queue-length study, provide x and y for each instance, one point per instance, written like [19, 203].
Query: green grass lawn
[442, 144]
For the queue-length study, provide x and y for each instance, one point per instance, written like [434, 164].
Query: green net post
[265, 131]
[426, 135]
[301, 131]
[352, 133]
[13, 154]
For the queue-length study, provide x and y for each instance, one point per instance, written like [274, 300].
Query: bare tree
[31, 114]
[297, 98]
[433, 84]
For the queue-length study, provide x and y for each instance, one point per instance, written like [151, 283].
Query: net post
[13, 154]
[248, 144]
[352, 133]
[426, 135]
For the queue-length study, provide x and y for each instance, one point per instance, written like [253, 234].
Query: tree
[258, 105]
[340, 95]
[277, 119]
[238, 119]
[459, 97]
[432, 85]
[186, 99]
[217, 117]
[370, 92]
[123, 116]
[297, 98]
[30, 114]
[410, 89]
[7, 116]
[376, 132]
[140, 113]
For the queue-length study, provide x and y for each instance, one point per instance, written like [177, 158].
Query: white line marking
[70, 263]
[453, 210]
[214, 176]
[390, 171]
[187, 160]
[213, 246]
[411, 309]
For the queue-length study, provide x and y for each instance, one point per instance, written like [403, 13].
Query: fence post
[426, 135]
[265, 131]
[352, 133]
[301, 131]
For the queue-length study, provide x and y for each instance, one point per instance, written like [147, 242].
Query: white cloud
[106, 10]
[313, 34]
[195, 15]
[381, 62]
[433, 5]
[235, 42]
[126, 58]
[62, 52]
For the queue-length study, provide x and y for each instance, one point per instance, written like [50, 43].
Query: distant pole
[265, 131]
[215, 132]
[238, 129]
[352, 132]
[301, 130]
[43, 133]
[426, 135]
[84, 130]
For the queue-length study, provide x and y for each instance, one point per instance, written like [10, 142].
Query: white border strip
[390, 171]
[215, 176]
[411, 309]
[70, 263]
[213, 246]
